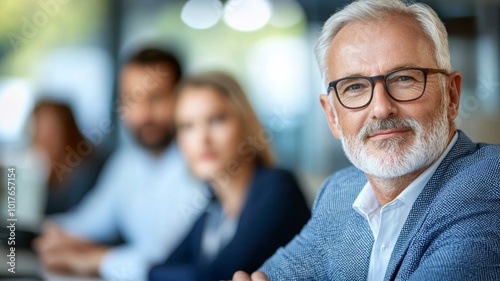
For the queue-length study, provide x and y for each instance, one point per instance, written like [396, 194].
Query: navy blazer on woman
[274, 211]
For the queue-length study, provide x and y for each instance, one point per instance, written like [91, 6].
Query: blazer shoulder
[482, 152]
[469, 188]
[279, 179]
[276, 189]
[274, 173]
[479, 169]
[488, 154]
[341, 187]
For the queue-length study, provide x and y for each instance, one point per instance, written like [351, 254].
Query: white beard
[396, 157]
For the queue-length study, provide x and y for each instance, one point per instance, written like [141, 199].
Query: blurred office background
[70, 51]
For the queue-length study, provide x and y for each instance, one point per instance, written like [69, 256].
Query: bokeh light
[247, 15]
[201, 14]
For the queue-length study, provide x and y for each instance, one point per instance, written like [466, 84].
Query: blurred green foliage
[31, 28]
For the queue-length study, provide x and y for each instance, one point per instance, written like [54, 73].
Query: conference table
[27, 267]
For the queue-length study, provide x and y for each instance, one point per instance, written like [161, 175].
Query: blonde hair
[229, 88]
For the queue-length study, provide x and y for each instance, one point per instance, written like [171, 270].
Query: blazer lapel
[419, 211]
[355, 251]
[412, 225]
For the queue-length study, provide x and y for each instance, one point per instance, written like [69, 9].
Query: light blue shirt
[387, 221]
[218, 231]
[151, 201]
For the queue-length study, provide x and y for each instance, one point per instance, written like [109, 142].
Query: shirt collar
[367, 202]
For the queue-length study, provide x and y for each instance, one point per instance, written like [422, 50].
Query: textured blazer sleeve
[301, 258]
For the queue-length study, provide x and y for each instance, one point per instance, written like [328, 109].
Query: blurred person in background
[74, 162]
[146, 194]
[255, 208]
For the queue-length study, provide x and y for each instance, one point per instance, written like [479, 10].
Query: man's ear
[330, 116]
[454, 91]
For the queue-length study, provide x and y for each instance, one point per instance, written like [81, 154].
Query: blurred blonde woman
[255, 208]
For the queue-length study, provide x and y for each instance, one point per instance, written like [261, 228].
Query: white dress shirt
[387, 221]
[150, 201]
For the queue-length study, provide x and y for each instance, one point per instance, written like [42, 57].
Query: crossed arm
[61, 252]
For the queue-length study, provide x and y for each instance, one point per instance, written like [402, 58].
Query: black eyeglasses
[404, 84]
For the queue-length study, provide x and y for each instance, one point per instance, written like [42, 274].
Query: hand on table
[243, 276]
[62, 253]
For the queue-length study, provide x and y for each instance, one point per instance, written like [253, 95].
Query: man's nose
[382, 105]
[142, 110]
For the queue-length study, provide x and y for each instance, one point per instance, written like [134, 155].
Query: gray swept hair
[373, 10]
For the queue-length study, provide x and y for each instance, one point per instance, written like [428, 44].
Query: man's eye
[404, 78]
[354, 87]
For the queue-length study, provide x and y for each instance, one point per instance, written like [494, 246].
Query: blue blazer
[452, 231]
[274, 212]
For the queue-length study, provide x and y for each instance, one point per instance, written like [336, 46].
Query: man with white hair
[422, 201]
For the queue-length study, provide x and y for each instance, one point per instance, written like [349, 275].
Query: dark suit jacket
[452, 231]
[274, 211]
